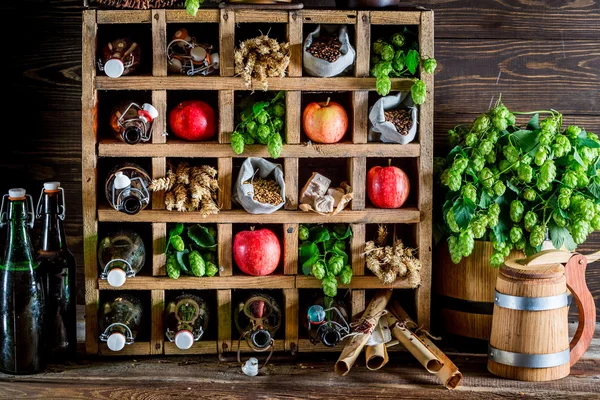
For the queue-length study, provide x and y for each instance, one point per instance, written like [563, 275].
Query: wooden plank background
[537, 54]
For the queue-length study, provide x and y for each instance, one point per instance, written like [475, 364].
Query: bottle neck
[53, 232]
[18, 247]
[133, 130]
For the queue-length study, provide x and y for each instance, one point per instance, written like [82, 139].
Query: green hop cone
[429, 65]
[460, 164]
[251, 128]
[263, 117]
[197, 265]
[318, 270]
[382, 69]
[582, 181]
[340, 245]
[466, 242]
[471, 139]
[279, 110]
[546, 175]
[481, 123]
[469, 191]
[486, 147]
[545, 138]
[329, 285]
[418, 92]
[383, 85]
[451, 221]
[525, 173]
[516, 233]
[491, 157]
[172, 267]
[177, 243]
[569, 179]
[453, 249]
[398, 40]
[486, 178]
[520, 245]
[477, 163]
[561, 222]
[248, 140]
[335, 265]
[537, 235]
[387, 52]
[493, 214]
[478, 225]
[237, 142]
[499, 188]
[211, 269]
[596, 222]
[275, 145]
[564, 198]
[549, 125]
[540, 156]
[346, 275]
[500, 123]
[263, 132]
[511, 153]
[454, 181]
[561, 146]
[378, 46]
[303, 232]
[573, 131]
[277, 124]
[516, 211]
[497, 259]
[579, 230]
[529, 194]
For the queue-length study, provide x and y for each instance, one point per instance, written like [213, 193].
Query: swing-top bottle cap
[184, 339]
[16, 193]
[250, 368]
[114, 68]
[116, 277]
[51, 185]
[151, 110]
[198, 54]
[116, 341]
[121, 180]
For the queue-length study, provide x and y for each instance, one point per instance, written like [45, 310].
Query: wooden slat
[363, 44]
[193, 283]
[203, 15]
[357, 249]
[124, 16]
[224, 318]
[358, 282]
[225, 249]
[159, 170]
[359, 302]
[360, 117]
[244, 348]
[291, 183]
[225, 170]
[226, 43]
[294, 36]
[370, 215]
[346, 17]
[357, 171]
[89, 106]
[425, 199]
[159, 43]
[342, 84]
[159, 243]
[291, 319]
[157, 330]
[135, 349]
[293, 116]
[159, 127]
[395, 18]
[290, 249]
[177, 148]
[263, 16]
[200, 347]
[226, 115]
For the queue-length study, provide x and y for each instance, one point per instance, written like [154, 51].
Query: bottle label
[22, 266]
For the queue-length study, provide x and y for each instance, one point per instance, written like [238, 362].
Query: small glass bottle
[121, 255]
[120, 57]
[120, 320]
[186, 320]
[257, 319]
[126, 188]
[59, 265]
[22, 299]
[327, 321]
[132, 123]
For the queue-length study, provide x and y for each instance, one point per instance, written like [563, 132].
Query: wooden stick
[370, 319]
[448, 374]
[377, 356]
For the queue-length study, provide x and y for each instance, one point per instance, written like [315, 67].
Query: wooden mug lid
[544, 265]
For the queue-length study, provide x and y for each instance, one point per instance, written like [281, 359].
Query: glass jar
[120, 320]
[121, 255]
[257, 319]
[126, 188]
[132, 123]
[327, 321]
[120, 57]
[186, 320]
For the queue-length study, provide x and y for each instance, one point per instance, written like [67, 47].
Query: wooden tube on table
[377, 356]
[448, 374]
[372, 314]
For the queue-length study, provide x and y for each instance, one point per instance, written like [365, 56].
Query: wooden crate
[357, 153]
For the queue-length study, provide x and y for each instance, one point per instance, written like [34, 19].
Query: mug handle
[575, 274]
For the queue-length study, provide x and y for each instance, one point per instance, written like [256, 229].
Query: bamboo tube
[448, 374]
[377, 356]
[367, 323]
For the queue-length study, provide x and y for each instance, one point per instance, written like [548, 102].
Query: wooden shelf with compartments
[356, 150]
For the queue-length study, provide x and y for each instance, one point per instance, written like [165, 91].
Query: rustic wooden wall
[538, 54]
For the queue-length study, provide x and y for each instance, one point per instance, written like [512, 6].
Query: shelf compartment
[372, 215]
[180, 148]
[202, 283]
[343, 84]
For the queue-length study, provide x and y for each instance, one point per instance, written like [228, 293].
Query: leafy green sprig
[193, 253]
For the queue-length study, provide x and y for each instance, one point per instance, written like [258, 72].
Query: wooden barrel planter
[465, 291]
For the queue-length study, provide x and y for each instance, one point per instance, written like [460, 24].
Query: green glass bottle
[22, 300]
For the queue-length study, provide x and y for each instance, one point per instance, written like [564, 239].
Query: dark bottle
[257, 319]
[22, 302]
[186, 320]
[132, 123]
[58, 263]
[327, 321]
[120, 320]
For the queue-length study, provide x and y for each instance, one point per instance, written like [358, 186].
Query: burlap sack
[315, 66]
[382, 131]
[253, 168]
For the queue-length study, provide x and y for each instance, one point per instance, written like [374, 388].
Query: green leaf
[183, 260]
[319, 234]
[412, 61]
[473, 175]
[306, 251]
[594, 188]
[463, 211]
[345, 236]
[485, 200]
[307, 265]
[588, 143]
[512, 187]
[578, 158]
[192, 6]
[456, 150]
[534, 123]
[530, 250]
[501, 230]
[561, 236]
[201, 236]
[278, 96]
[525, 140]
[259, 106]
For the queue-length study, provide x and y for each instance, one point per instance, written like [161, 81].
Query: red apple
[387, 187]
[325, 122]
[257, 252]
[193, 120]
